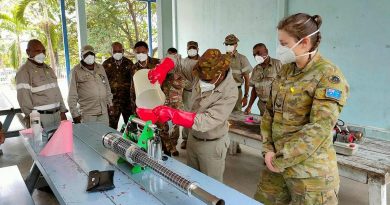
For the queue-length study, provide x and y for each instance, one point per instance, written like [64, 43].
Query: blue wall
[356, 37]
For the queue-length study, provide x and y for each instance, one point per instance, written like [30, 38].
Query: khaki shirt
[239, 65]
[37, 88]
[91, 89]
[302, 110]
[212, 108]
[261, 78]
[188, 84]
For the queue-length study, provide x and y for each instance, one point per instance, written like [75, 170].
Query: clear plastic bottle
[35, 123]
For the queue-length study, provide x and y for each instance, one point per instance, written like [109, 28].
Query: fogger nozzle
[134, 155]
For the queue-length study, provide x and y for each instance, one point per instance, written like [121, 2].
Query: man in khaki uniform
[193, 55]
[214, 95]
[240, 69]
[90, 88]
[37, 88]
[262, 76]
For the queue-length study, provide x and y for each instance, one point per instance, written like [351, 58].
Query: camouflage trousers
[169, 137]
[125, 110]
[262, 106]
[274, 189]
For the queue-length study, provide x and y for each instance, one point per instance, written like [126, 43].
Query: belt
[205, 140]
[239, 87]
[48, 111]
[187, 90]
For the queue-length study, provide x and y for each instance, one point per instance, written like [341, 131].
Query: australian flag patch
[333, 93]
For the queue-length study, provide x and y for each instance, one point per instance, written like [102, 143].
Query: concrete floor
[242, 173]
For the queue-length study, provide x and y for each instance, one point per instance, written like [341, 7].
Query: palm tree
[16, 26]
[47, 14]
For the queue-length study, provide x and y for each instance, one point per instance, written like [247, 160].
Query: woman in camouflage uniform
[306, 99]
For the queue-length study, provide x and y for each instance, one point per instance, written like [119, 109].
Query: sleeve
[253, 78]
[23, 90]
[108, 89]
[218, 113]
[266, 128]
[73, 97]
[246, 67]
[329, 98]
[62, 104]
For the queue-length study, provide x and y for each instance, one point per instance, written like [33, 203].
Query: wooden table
[370, 165]
[66, 174]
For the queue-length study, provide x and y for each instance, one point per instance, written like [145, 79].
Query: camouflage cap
[211, 64]
[192, 43]
[231, 39]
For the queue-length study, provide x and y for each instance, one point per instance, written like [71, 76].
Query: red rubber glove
[178, 117]
[159, 73]
[146, 115]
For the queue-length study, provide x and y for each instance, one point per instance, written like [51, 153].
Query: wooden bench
[370, 165]
[13, 190]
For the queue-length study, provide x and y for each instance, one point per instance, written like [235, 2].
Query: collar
[310, 65]
[30, 63]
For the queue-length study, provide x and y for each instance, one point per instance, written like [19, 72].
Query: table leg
[32, 178]
[376, 192]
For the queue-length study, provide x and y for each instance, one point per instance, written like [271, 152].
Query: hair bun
[317, 19]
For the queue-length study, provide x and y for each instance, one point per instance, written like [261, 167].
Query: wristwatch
[246, 95]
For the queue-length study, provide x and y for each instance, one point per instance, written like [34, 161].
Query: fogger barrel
[134, 155]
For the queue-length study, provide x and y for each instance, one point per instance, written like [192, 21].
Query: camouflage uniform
[119, 74]
[261, 80]
[240, 66]
[173, 90]
[301, 112]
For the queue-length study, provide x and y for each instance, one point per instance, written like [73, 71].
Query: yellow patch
[292, 89]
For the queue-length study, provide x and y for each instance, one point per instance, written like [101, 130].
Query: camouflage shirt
[119, 74]
[173, 90]
[302, 110]
[261, 78]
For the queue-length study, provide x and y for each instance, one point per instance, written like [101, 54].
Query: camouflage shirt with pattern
[119, 74]
[302, 110]
[173, 90]
[261, 78]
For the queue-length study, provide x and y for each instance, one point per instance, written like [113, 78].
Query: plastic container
[147, 95]
[35, 123]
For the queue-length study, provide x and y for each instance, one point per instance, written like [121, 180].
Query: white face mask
[260, 59]
[229, 48]
[90, 59]
[192, 52]
[117, 56]
[287, 55]
[40, 58]
[204, 86]
[141, 57]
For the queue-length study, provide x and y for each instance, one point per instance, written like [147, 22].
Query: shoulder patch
[334, 79]
[333, 93]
